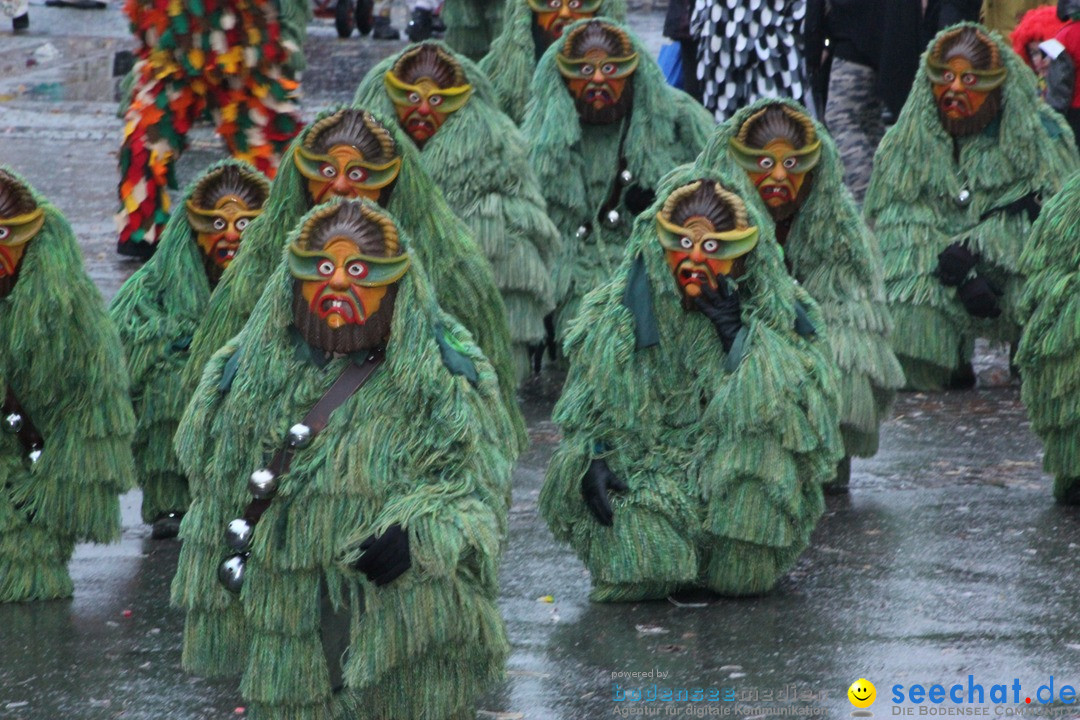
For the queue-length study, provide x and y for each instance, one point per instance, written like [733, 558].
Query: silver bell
[626, 177]
[13, 423]
[963, 198]
[299, 436]
[262, 484]
[230, 573]
[582, 231]
[612, 218]
[34, 455]
[238, 535]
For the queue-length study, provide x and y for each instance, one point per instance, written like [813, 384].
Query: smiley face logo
[862, 693]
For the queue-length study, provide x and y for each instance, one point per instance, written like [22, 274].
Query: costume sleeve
[1049, 351]
[1060, 77]
[770, 440]
[454, 511]
[215, 632]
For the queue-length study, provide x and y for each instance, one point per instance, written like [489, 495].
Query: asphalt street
[947, 559]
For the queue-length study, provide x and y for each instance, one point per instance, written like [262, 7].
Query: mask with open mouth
[597, 64]
[350, 155]
[966, 72]
[20, 221]
[778, 147]
[426, 85]
[346, 263]
[224, 202]
[550, 18]
[705, 233]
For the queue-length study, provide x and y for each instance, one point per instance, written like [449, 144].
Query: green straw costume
[513, 57]
[1049, 349]
[836, 259]
[920, 201]
[723, 454]
[62, 362]
[157, 312]
[478, 159]
[414, 446]
[462, 278]
[471, 24]
[578, 165]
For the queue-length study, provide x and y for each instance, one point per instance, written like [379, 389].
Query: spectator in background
[853, 107]
[748, 50]
[19, 12]
[677, 28]
[1004, 15]
[1064, 53]
[1036, 27]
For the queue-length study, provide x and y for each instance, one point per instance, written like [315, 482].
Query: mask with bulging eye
[778, 148]
[426, 86]
[704, 231]
[597, 63]
[218, 230]
[346, 266]
[343, 172]
[551, 17]
[966, 73]
[15, 233]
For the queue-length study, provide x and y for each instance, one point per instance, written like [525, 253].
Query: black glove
[595, 483]
[385, 556]
[723, 309]
[980, 298]
[637, 199]
[953, 264]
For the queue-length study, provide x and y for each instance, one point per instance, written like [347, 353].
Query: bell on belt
[963, 198]
[238, 535]
[34, 455]
[626, 177]
[230, 573]
[299, 436]
[13, 423]
[612, 218]
[582, 231]
[262, 484]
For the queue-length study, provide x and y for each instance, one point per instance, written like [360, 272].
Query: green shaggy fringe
[478, 158]
[161, 304]
[471, 24]
[836, 259]
[724, 469]
[1049, 352]
[294, 16]
[910, 205]
[576, 165]
[62, 358]
[512, 61]
[461, 276]
[431, 640]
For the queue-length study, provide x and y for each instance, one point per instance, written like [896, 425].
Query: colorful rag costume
[710, 418]
[796, 171]
[477, 157]
[352, 143]
[471, 25]
[65, 440]
[1048, 352]
[748, 50]
[408, 483]
[157, 312]
[233, 61]
[956, 186]
[531, 27]
[599, 146]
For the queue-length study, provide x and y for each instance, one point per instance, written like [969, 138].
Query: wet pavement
[947, 558]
